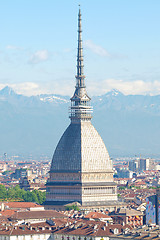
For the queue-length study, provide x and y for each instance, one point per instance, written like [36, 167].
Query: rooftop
[45, 214]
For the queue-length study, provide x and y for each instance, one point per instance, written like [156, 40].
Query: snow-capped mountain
[53, 98]
[129, 125]
[7, 91]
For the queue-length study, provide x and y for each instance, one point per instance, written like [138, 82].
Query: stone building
[127, 216]
[143, 232]
[81, 169]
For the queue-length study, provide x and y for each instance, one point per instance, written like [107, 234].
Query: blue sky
[121, 41]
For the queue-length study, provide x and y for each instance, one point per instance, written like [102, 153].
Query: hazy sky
[121, 40]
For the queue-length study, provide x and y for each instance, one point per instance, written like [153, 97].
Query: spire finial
[80, 76]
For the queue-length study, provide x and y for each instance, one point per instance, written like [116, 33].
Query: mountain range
[128, 124]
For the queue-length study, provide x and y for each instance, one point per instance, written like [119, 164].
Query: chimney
[95, 226]
[2, 206]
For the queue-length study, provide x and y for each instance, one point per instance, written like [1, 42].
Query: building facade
[153, 208]
[81, 169]
[133, 165]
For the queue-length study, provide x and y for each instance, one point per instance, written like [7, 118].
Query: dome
[81, 148]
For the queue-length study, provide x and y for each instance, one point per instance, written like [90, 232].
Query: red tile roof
[44, 214]
[90, 228]
[140, 183]
[17, 205]
[7, 213]
[96, 215]
[81, 227]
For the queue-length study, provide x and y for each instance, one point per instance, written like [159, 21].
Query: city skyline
[121, 46]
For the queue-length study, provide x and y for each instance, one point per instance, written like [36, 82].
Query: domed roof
[81, 149]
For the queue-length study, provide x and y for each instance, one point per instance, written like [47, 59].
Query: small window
[116, 231]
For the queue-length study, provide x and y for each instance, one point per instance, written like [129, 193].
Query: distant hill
[129, 125]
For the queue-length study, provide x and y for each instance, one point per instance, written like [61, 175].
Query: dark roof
[90, 228]
[62, 226]
[44, 214]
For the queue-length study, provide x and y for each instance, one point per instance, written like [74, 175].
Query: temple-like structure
[81, 169]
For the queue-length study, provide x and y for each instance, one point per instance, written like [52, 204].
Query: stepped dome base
[92, 206]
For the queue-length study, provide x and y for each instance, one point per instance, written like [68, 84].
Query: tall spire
[80, 109]
[80, 77]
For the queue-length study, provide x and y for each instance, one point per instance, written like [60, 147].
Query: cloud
[126, 87]
[96, 48]
[68, 50]
[32, 88]
[93, 88]
[39, 56]
[12, 47]
[25, 88]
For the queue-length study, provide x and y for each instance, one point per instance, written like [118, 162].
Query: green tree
[18, 194]
[3, 191]
[74, 207]
[11, 193]
[41, 196]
